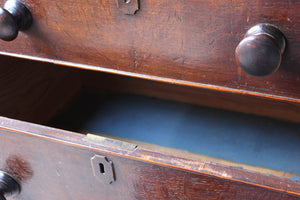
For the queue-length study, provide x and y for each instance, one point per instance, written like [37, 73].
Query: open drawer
[129, 146]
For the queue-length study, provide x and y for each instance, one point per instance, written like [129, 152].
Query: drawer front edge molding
[72, 142]
[156, 78]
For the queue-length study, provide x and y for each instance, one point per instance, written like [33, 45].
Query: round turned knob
[260, 52]
[14, 16]
[8, 186]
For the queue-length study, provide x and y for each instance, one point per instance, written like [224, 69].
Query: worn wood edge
[190, 155]
[153, 78]
[224, 170]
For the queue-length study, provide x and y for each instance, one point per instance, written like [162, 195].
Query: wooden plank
[190, 42]
[97, 82]
[61, 168]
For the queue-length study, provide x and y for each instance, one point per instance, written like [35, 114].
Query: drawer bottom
[232, 136]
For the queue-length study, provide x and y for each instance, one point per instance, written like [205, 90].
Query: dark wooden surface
[98, 82]
[187, 43]
[14, 16]
[66, 172]
[52, 87]
[34, 92]
[191, 40]
[260, 52]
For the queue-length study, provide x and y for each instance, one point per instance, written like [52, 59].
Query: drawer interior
[232, 136]
[72, 99]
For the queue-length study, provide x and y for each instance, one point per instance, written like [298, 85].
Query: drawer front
[188, 42]
[55, 164]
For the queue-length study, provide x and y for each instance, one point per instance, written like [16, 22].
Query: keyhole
[126, 1]
[101, 166]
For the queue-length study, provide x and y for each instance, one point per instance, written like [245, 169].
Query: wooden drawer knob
[8, 186]
[14, 16]
[260, 52]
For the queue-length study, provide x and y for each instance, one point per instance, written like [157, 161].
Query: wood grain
[33, 92]
[98, 82]
[66, 172]
[191, 40]
[36, 92]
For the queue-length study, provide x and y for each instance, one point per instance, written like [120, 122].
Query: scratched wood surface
[190, 40]
[66, 172]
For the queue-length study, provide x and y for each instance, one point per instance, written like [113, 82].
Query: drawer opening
[232, 136]
[145, 111]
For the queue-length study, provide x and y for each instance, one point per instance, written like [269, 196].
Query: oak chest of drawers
[109, 55]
